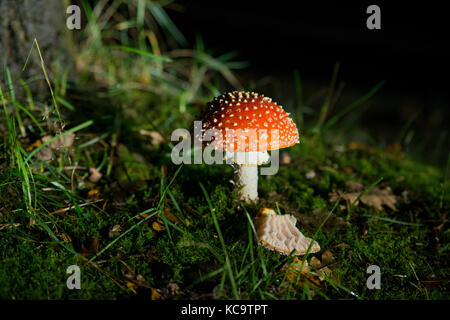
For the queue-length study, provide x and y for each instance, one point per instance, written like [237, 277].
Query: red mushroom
[250, 125]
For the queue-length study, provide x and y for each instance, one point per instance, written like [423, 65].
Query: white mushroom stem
[247, 178]
[246, 172]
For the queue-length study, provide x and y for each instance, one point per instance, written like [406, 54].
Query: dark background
[409, 53]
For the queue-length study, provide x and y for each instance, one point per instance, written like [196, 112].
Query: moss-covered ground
[149, 229]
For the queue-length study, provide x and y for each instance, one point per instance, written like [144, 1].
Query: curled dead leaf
[158, 225]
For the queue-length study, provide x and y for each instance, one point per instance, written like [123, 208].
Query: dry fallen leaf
[65, 141]
[94, 194]
[158, 225]
[95, 175]
[342, 245]
[299, 274]
[375, 198]
[325, 267]
[170, 216]
[156, 295]
[315, 263]
[327, 257]
[34, 145]
[132, 286]
[45, 153]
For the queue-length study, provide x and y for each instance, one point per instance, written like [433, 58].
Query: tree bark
[21, 21]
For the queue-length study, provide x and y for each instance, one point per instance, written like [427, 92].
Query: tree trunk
[20, 22]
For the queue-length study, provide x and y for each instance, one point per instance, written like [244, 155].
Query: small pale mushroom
[250, 125]
[279, 233]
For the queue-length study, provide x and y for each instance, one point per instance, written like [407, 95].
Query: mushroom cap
[249, 122]
[278, 233]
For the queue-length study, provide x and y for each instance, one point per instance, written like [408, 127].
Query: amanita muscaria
[247, 126]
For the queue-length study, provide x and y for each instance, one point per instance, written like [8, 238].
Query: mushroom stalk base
[247, 178]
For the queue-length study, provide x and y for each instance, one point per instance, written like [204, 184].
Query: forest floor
[86, 179]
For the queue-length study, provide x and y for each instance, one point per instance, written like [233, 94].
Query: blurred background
[279, 39]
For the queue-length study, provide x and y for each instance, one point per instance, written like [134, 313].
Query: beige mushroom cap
[279, 233]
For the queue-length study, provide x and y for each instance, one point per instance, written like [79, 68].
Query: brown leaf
[348, 170]
[65, 141]
[34, 145]
[158, 225]
[327, 257]
[45, 154]
[375, 198]
[170, 216]
[325, 267]
[95, 175]
[94, 194]
[132, 286]
[342, 245]
[325, 273]
[156, 295]
[315, 263]
[299, 274]
[353, 186]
